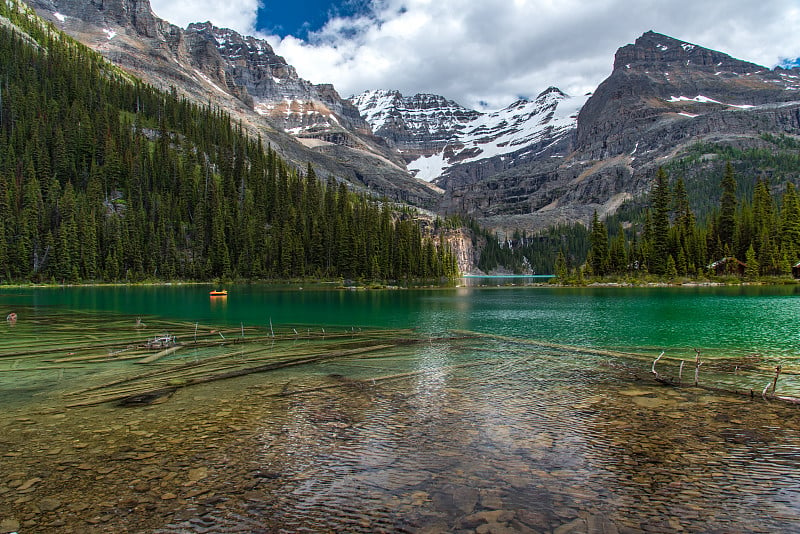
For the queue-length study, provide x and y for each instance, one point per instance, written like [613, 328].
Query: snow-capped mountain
[550, 160]
[663, 98]
[434, 133]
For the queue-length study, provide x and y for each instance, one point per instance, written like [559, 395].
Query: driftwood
[630, 355]
[158, 355]
[100, 399]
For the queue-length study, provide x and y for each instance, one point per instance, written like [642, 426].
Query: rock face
[417, 124]
[439, 138]
[659, 82]
[245, 77]
[662, 96]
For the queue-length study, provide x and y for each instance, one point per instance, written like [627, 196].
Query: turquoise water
[752, 318]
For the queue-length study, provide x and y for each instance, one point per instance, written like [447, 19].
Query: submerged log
[151, 397]
[161, 354]
[215, 376]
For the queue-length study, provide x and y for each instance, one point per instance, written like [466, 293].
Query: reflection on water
[465, 433]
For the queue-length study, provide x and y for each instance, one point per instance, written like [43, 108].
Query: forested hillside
[754, 234]
[103, 178]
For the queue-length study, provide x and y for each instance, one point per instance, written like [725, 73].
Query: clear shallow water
[489, 433]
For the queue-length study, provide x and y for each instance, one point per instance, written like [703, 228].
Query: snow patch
[110, 33]
[208, 80]
[690, 115]
[59, 16]
[475, 135]
[705, 100]
[662, 47]
[698, 98]
[428, 168]
[687, 47]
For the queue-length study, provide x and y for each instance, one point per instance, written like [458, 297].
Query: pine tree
[561, 266]
[598, 260]
[751, 271]
[790, 222]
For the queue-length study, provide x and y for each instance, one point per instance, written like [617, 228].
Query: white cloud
[494, 51]
[239, 15]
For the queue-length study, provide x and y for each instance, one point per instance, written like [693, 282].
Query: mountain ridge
[243, 76]
[435, 134]
[662, 96]
[530, 165]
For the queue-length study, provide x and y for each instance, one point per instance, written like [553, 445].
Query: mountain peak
[658, 51]
[552, 90]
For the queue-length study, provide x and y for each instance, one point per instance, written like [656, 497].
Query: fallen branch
[100, 399]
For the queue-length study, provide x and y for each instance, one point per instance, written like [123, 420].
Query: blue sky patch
[307, 16]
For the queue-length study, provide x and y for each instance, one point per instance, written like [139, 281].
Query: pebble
[575, 526]
[28, 484]
[9, 525]
[198, 473]
[49, 504]
[528, 466]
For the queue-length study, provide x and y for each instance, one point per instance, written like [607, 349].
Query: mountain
[663, 84]
[662, 97]
[436, 135]
[243, 76]
[554, 159]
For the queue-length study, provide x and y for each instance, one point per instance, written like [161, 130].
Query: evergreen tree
[790, 222]
[751, 271]
[660, 195]
[561, 266]
[598, 259]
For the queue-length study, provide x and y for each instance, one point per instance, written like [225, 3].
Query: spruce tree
[660, 202]
[751, 270]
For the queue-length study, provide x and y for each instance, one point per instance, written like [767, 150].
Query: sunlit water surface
[516, 410]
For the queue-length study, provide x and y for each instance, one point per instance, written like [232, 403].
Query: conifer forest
[104, 178]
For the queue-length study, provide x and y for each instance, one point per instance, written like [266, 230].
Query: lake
[473, 409]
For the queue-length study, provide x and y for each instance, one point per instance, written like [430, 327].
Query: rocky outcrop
[243, 76]
[461, 245]
[419, 124]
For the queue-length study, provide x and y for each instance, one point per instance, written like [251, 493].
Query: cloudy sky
[487, 53]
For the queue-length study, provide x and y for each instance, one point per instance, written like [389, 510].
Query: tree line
[761, 230]
[104, 178]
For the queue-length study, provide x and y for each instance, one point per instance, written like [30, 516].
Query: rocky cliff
[244, 76]
[684, 90]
